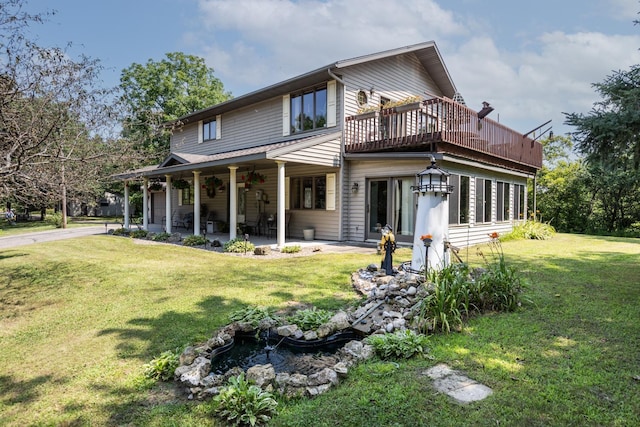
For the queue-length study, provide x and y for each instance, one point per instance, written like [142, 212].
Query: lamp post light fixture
[433, 179]
[355, 187]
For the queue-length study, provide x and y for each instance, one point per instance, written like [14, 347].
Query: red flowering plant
[252, 177]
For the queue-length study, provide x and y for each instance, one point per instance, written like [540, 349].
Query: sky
[531, 60]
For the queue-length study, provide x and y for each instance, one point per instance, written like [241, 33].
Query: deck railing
[435, 121]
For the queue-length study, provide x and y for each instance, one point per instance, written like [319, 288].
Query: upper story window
[209, 130]
[309, 110]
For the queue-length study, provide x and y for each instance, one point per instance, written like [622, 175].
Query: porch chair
[273, 228]
[184, 220]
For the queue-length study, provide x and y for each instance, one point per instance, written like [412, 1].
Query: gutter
[332, 75]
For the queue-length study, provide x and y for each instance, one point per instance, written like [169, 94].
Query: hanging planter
[251, 178]
[180, 184]
[155, 186]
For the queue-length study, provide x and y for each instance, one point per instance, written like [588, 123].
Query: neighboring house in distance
[317, 151]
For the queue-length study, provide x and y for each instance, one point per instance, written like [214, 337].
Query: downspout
[342, 165]
[333, 76]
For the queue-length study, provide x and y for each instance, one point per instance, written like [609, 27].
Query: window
[362, 98]
[483, 200]
[308, 193]
[502, 201]
[459, 200]
[186, 196]
[518, 201]
[309, 110]
[209, 130]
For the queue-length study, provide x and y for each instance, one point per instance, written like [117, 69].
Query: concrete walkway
[18, 240]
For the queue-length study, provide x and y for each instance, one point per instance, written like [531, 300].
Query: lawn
[80, 317]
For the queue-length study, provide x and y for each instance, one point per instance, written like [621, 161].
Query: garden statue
[388, 244]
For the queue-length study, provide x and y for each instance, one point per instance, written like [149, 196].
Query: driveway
[9, 242]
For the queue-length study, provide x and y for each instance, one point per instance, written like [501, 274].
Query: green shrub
[244, 404]
[194, 240]
[163, 366]
[238, 245]
[253, 315]
[139, 234]
[310, 318]
[161, 237]
[121, 231]
[292, 249]
[54, 219]
[529, 230]
[399, 345]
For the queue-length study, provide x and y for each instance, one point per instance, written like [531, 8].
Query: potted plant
[180, 184]
[155, 186]
[251, 178]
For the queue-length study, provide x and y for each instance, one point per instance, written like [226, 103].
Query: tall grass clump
[456, 292]
[530, 230]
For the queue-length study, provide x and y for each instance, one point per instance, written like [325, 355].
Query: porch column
[126, 204]
[145, 203]
[167, 204]
[196, 203]
[233, 202]
[281, 226]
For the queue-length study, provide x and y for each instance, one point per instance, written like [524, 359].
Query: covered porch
[244, 191]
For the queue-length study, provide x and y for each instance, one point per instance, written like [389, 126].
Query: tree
[56, 123]
[609, 138]
[160, 92]
[562, 197]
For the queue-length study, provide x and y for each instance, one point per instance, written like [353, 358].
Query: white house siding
[392, 78]
[354, 215]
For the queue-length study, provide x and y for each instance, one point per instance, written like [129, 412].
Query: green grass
[79, 319]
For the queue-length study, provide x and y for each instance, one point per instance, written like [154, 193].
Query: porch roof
[178, 162]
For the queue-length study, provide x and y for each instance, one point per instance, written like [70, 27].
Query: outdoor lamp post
[432, 218]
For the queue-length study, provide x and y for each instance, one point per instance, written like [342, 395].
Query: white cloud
[267, 41]
[254, 43]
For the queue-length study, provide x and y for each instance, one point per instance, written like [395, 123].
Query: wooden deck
[441, 125]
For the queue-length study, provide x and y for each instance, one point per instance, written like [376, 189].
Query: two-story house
[336, 150]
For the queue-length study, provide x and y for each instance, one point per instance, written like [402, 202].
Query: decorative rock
[315, 391]
[325, 330]
[340, 320]
[212, 380]
[198, 370]
[188, 356]
[389, 327]
[287, 330]
[358, 350]
[384, 280]
[372, 267]
[341, 369]
[298, 380]
[412, 290]
[262, 250]
[310, 335]
[298, 334]
[327, 375]
[399, 323]
[261, 374]
[174, 238]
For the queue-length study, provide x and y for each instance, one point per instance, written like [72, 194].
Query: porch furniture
[256, 227]
[273, 225]
[174, 214]
[184, 220]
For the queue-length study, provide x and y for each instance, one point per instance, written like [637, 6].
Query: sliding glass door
[391, 201]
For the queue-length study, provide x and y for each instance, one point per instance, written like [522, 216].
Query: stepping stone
[461, 388]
